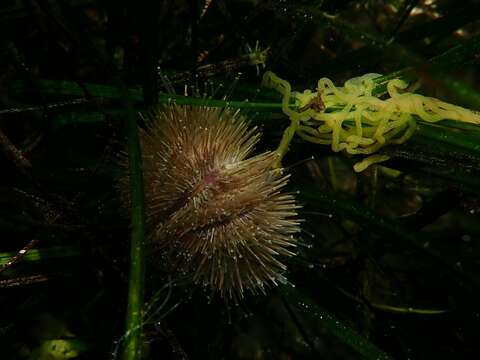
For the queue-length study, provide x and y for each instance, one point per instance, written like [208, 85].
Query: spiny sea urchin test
[214, 213]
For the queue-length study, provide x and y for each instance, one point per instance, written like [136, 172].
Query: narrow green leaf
[383, 226]
[136, 280]
[309, 309]
[34, 255]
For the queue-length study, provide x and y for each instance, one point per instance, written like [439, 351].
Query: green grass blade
[136, 280]
[383, 226]
[309, 309]
[33, 255]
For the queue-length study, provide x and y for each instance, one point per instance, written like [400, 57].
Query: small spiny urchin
[215, 214]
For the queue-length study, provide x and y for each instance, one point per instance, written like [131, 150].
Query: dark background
[386, 260]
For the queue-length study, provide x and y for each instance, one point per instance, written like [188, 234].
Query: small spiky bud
[216, 214]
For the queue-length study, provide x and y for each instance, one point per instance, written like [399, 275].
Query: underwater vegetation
[239, 179]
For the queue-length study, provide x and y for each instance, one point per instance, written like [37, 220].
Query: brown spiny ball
[216, 214]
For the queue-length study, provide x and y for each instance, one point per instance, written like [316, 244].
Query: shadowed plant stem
[300, 307]
[136, 280]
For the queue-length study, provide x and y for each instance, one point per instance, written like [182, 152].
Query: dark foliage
[388, 259]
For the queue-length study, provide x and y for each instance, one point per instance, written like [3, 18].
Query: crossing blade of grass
[467, 140]
[309, 309]
[389, 228]
[57, 252]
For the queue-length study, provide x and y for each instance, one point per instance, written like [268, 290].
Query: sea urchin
[215, 214]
